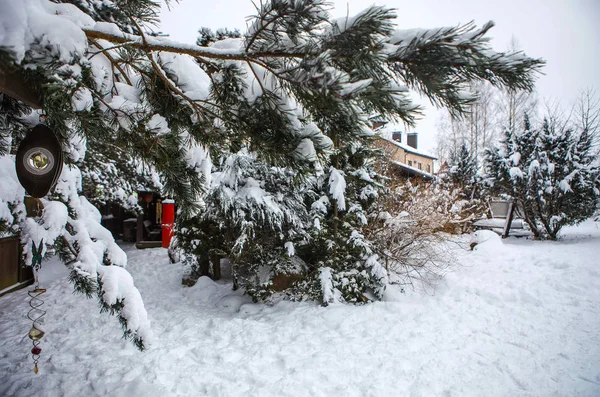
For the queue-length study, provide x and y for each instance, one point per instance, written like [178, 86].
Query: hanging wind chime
[36, 313]
[38, 163]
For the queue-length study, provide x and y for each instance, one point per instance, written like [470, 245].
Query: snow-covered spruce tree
[463, 168]
[295, 89]
[343, 264]
[503, 173]
[551, 172]
[254, 216]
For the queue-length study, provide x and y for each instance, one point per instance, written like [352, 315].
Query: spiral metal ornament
[36, 313]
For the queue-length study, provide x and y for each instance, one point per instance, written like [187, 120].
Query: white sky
[566, 33]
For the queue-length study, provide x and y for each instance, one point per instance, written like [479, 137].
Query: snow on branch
[95, 259]
[337, 187]
[438, 61]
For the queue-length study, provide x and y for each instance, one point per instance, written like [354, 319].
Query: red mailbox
[168, 220]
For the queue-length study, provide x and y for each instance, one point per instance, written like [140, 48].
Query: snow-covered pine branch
[72, 225]
[292, 57]
[295, 91]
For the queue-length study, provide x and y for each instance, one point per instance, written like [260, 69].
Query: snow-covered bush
[413, 224]
[551, 172]
[253, 215]
[279, 231]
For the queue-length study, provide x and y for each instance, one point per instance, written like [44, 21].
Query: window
[410, 163]
[428, 168]
[420, 166]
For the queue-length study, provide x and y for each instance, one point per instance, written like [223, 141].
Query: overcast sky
[566, 33]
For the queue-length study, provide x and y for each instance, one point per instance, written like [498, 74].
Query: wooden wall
[12, 274]
[9, 262]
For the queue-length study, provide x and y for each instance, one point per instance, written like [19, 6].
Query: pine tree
[269, 88]
[551, 172]
[294, 92]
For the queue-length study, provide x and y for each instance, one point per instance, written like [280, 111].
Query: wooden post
[509, 218]
[9, 262]
[139, 232]
[204, 264]
[215, 259]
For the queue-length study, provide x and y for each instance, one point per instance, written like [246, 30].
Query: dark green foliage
[83, 284]
[251, 212]
[11, 125]
[123, 13]
[463, 169]
[551, 172]
[434, 63]
[115, 310]
[207, 36]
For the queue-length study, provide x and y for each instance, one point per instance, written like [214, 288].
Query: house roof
[412, 170]
[409, 149]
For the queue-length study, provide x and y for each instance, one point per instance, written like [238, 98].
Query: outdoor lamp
[39, 161]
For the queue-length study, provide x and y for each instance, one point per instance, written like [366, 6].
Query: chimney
[397, 136]
[411, 139]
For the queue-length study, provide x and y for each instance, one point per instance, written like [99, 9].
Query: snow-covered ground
[516, 318]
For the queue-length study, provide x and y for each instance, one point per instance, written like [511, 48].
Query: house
[405, 156]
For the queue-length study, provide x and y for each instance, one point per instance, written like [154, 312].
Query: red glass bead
[36, 350]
